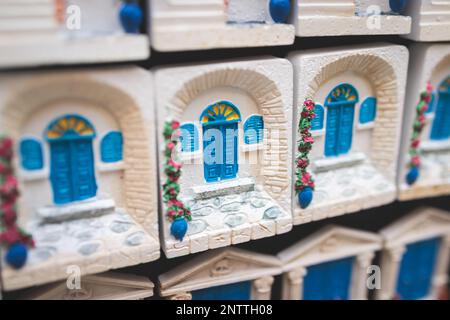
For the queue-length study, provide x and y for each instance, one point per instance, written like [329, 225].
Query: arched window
[317, 122]
[254, 130]
[341, 109]
[441, 122]
[31, 154]
[188, 137]
[111, 147]
[368, 110]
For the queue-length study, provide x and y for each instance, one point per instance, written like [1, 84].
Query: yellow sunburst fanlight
[344, 92]
[70, 125]
[220, 111]
[445, 85]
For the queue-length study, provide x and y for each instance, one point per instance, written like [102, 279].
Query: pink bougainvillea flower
[6, 148]
[415, 143]
[172, 213]
[429, 87]
[308, 139]
[306, 177]
[175, 124]
[170, 145]
[174, 164]
[302, 163]
[309, 104]
[11, 235]
[415, 161]
[422, 118]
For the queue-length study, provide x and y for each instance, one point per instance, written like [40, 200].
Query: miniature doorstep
[415, 257]
[348, 131]
[227, 179]
[48, 32]
[350, 17]
[331, 264]
[104, 286]
[179, 25]
[424, 169]
[85, 167]
[430, 20]
[224, 274]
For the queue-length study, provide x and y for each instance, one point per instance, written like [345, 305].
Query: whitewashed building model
[430, 63]
[178, 25]
[358, 94]
[415, 257]
[47, 32]
[224, 274]
[235, 151]
[85, 163]
[316, 18]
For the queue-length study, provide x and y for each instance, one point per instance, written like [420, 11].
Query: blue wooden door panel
[61, 170]
[345, 128]
[332, 131]
[416, 269]
[328, 281]
[441, 123]
[230, 163]
[234, 291]
[84, 185]
[212, 153]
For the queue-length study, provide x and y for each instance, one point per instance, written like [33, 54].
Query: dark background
[370, 220]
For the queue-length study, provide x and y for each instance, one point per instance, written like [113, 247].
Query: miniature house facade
[206, 24]
[70, 31]
[358, 94]
[430, 63]
[104, 286]
[349, 17]
[235, 138]
[329, 265]
[415, 257]
[225, 274]
[430, 20]
[85, 167]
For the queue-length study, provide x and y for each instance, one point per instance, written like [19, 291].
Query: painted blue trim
[254, 130]
[432, 104]
[189, 137]
[31, 154]
[111, 147]
[417, 268]
[329, 280]
[220, 118]
[368, 110]
[441, 124]
[234, 291]
[72, 174]
[317, 122]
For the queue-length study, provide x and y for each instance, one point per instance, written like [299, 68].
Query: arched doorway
[220, 141]
[72, 173]
[441, 123]
[340, 104]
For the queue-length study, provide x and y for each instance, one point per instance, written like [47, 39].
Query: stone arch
[382, 76]
[445, 61]
[268, 98]
[139, 200]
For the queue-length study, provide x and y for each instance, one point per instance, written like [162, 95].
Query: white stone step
[327, 8]
[31, 24]
[190, 17]
[224, 188]
[19, 11]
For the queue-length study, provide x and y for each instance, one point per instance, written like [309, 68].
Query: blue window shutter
[189, 138]
[441, 123]
[317, 122]
[346, 128]
[416, 269]
[31, 154]
[234, 291]
[329, 280]
[254, 130]
[111, 147]
[368, 110]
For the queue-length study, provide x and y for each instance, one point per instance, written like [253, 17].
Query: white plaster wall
[242, 11]
[249, 161]
[362, 134]
[362, 5]
[38, 192]
[97, 17]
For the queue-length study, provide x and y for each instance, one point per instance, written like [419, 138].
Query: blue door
[234, 291]
[72, 173]
[220, 141]
[328, 281]
[340, 105]
[416, 269]
[441, 123]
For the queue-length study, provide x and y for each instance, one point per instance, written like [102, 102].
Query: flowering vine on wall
[304, 184]
[418, 125]
[177, 212]
[14, 238]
